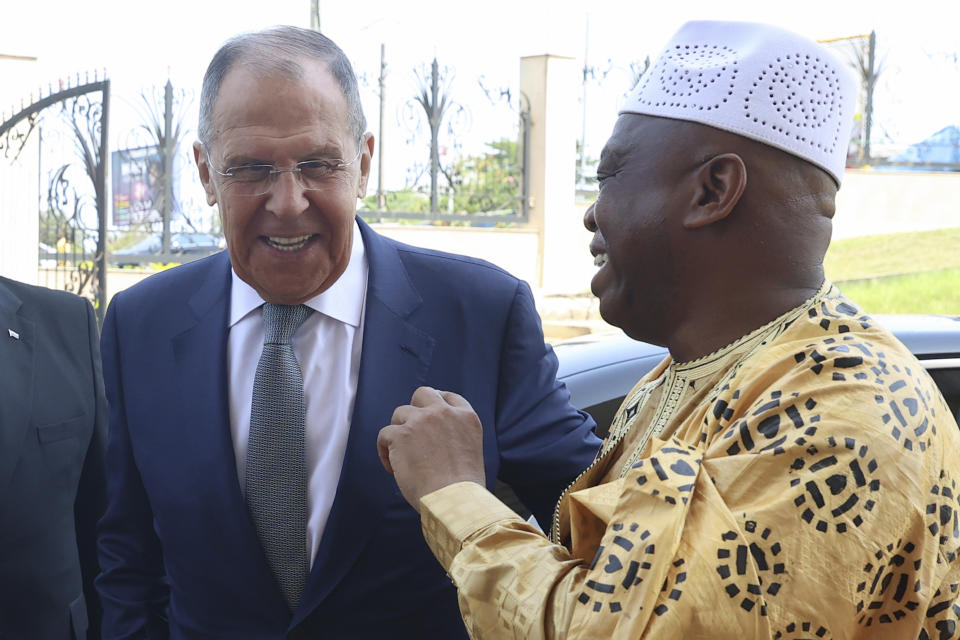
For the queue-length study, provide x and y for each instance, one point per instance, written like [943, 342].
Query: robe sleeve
[820, 500]
[514, 583]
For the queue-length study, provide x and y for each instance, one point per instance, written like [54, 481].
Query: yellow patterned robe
[800, 483]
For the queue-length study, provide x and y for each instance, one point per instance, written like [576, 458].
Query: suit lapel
[199, 358]
[200, 354]
[16, 381]
[395, 359]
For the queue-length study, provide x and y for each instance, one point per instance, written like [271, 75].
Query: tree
[406, 200]
[435, 103]
[637, 71]
[869, 72]
[163, 122]
[484, 182]
[434, 99]
[586, 169]
[490, 181]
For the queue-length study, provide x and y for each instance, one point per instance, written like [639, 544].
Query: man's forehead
[298, 72]
[281, 105]
[275, 62]
[630, 132]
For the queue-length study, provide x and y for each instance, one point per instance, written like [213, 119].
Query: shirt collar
[343, 301]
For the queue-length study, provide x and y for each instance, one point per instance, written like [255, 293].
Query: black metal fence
[72, 217]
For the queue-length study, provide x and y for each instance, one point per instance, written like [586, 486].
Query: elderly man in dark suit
[53, 422]
[246, 498]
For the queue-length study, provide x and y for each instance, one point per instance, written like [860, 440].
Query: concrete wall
[871, 202]
[512, 249]
[876, 202]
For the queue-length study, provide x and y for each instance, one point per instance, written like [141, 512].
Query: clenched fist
[434, 441]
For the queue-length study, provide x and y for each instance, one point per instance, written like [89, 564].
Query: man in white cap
[789, 471]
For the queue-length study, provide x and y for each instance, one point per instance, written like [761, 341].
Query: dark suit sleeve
[91, 493]
[132, 584]
[544, 442]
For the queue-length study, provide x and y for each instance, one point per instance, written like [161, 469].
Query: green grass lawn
[928, 292]
[893, 254]
[916, 272]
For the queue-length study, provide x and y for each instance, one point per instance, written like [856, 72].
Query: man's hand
[434, 441]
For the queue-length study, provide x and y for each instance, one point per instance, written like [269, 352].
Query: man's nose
[286, 196]
[589, 219]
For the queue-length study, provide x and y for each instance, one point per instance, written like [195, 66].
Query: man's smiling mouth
[287, 244]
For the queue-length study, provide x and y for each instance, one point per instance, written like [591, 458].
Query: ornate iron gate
[72, 252]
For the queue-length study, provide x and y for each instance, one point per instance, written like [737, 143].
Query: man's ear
[203, 168]
[720, 182]
[366, 162]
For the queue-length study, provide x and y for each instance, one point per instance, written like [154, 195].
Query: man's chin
[294, 291]
[608, 311]
[291, 283]
[289, 297]
[617, 315]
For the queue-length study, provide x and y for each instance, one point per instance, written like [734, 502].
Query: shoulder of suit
[32, 295]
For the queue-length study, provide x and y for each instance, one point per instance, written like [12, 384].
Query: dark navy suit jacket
[179, 552]
[53, 427]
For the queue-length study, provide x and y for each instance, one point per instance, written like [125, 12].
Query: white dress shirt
[327, 346]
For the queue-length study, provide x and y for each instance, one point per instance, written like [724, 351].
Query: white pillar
[550, 84]
[19, 190]
[18, 215]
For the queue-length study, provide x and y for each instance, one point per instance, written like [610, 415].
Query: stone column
[550, 85]
[19, 180]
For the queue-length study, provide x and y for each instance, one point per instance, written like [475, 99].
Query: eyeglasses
[258, 179]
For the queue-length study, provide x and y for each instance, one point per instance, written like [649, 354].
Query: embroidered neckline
[677, 375]
[624, 420]
[783, 319]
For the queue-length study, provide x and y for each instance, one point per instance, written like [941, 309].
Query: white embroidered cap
[758, 81]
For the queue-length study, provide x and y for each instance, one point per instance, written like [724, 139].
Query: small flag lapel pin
[14, 334]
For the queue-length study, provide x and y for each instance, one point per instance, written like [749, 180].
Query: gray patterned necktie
[276, 479]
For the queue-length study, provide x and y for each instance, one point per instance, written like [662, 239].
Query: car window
[598, 376]
[948, 380]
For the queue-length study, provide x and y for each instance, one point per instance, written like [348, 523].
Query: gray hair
[275, 50]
